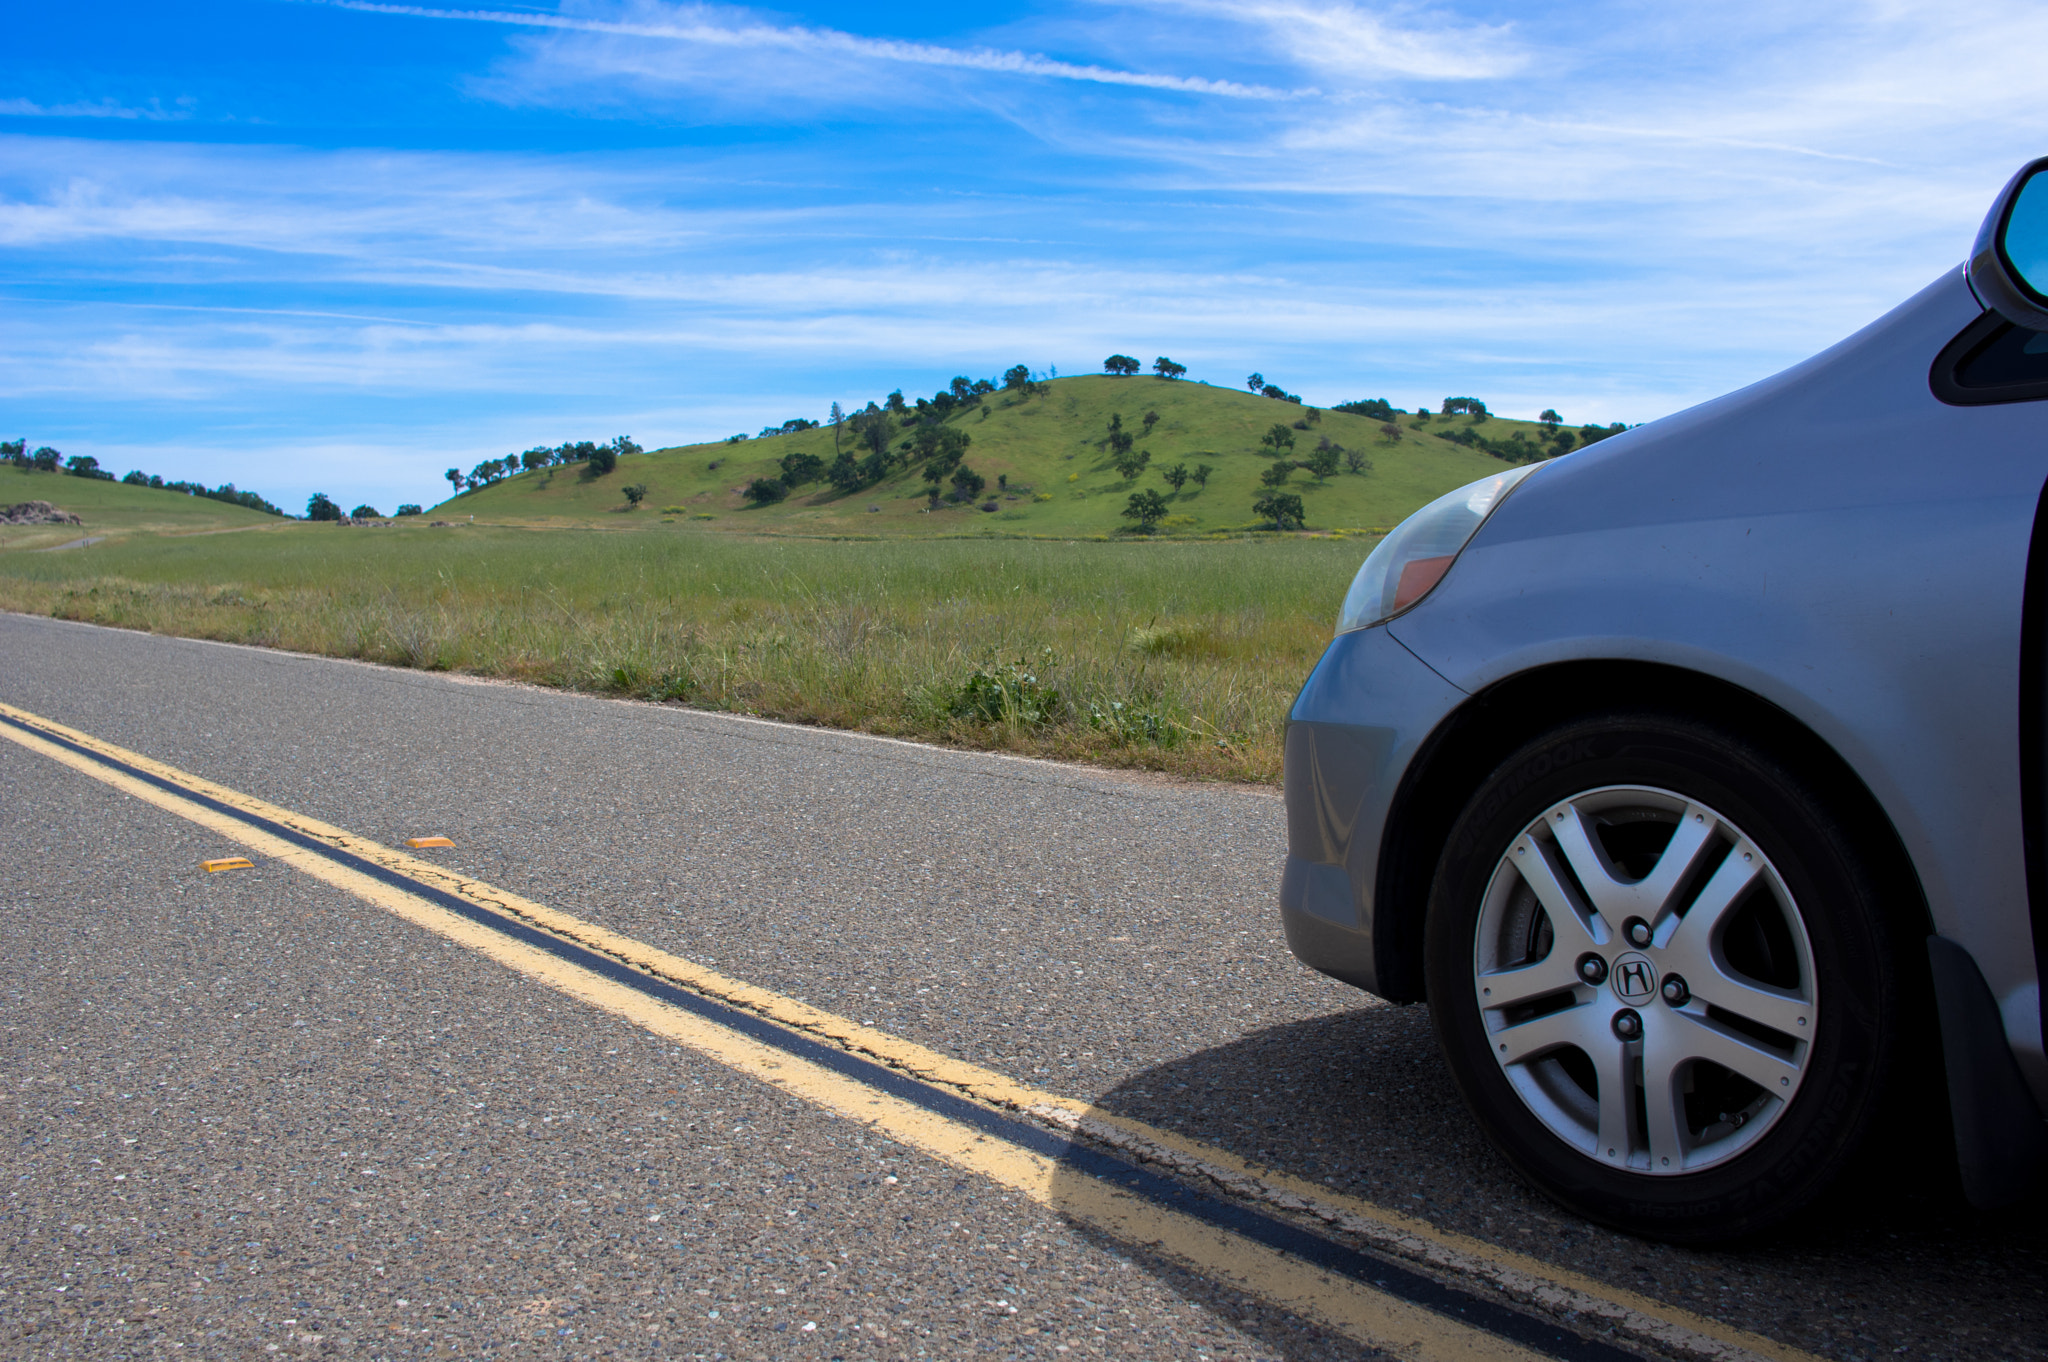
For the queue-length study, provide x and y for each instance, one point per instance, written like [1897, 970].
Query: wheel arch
[1479, 734]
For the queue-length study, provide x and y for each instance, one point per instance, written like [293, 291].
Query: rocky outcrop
[37, 513]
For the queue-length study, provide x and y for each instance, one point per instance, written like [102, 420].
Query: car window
[1992, 361]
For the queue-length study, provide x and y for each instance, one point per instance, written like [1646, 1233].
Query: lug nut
[1675, 991]
[1637, 931]
[1627, 1025]
[1592, 969]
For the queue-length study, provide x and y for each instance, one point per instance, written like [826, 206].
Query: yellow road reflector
[428, 842]
[228, 863]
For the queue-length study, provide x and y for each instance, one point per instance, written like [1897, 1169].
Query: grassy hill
[113, 510]
[1052, 448]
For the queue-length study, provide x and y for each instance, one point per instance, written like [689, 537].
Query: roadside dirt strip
[1384, 1279]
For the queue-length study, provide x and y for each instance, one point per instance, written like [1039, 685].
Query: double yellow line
[1232, 1222]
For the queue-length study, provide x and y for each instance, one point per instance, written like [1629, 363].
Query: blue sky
[343, 246]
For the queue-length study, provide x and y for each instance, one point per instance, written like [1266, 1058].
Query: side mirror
[2009, 263]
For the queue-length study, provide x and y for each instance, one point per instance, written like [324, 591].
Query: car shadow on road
[1360, 1102]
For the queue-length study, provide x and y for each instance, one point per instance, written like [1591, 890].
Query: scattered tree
[798, 469]
[1201, 474]
[45, 459]
[1282, 508]
[967, 483]
[1167, 369]
[1550, 418]
[1468, 405]
[1391, 433]
[603, 459]
[1589, 433]
[411, 508]
[1151, 420]
[844, 474]
[1374, 408]
[1129, 465]
[1148, 508]
[894, 404]
[766, 491]
[366, 512]
[1276, 474]
[1256, 382]
[1356, 461]
[1322, 461]
[1176, 477]
[1280, 440]
[1121, 365]
[15, 452]
[320, 506]
[137, 478]
[1017, 378]
[84, 466]
[454, 476]
[637, 492]
[838, 419]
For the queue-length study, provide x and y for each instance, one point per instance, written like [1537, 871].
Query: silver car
[1698, 780]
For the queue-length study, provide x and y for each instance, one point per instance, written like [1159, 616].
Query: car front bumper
[1365, 710]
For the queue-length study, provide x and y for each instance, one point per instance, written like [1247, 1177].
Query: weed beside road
[1179, 657]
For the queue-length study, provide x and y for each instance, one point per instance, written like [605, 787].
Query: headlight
[1409, 563]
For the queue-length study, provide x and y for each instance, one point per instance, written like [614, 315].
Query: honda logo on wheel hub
[1634, 979]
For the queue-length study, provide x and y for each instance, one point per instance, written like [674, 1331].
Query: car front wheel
[1659, 972]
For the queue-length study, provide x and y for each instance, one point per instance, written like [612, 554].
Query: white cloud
[722, 27]
[153, 111]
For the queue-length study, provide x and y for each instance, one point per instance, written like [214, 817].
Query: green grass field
[113, 509]
[1042, 627]
[1179, 656]
[1051, 449]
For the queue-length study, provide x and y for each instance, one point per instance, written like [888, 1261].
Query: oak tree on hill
[1276, 474]
[1167, 369]
[320, 506]
[1176, 476]
[1120, 365]
[1148, 508]
[1282, 508]
[1279, 439]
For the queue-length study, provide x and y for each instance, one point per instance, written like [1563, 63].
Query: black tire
[1816, 880]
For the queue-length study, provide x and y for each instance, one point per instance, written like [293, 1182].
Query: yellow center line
[1371, 1316]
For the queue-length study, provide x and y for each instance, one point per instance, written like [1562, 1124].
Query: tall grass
[1172, 656]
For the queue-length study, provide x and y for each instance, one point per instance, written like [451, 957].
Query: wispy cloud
[723, 27]
[153, 111]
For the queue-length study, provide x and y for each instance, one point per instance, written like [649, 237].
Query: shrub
[635, 493]
[765, 491]
[1008, 694]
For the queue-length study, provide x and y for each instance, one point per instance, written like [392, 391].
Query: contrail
[831, 40]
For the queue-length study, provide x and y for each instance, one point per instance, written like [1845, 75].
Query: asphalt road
[247, 1110]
